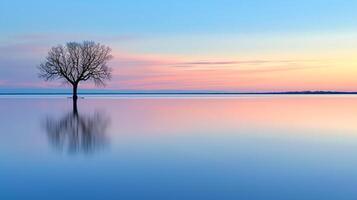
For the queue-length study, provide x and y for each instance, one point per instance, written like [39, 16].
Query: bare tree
[76, 62]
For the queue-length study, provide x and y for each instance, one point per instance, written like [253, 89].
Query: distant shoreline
[183, 93]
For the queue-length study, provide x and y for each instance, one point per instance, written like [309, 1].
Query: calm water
[180, 147]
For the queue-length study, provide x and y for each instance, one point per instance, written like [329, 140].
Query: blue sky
[174, 17]
[180, 31]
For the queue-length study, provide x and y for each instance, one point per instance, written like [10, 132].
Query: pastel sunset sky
[225, 45]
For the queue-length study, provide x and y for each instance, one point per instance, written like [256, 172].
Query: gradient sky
[230, 45]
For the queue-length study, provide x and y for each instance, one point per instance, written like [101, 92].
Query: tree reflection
[77, 132]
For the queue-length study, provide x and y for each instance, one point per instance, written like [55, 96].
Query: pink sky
[298, 62]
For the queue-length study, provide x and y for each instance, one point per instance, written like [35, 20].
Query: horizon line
[180, 93]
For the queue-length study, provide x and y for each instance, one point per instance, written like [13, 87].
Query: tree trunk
[75, 109]
[75, 86]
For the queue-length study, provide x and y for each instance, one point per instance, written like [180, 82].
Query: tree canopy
[76, 62]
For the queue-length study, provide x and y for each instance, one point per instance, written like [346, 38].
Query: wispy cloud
[245, 66]
[156, 72]
[21, 49]
[238, 62]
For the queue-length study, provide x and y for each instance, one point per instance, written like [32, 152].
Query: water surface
[179, 147]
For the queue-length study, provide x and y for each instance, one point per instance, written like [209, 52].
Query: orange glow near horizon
[155, 72]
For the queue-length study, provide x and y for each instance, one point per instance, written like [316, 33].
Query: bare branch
[77, 62]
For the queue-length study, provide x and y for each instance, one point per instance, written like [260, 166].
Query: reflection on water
[77, 132]
[241, 147]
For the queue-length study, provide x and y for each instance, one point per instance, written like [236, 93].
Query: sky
[215, 45]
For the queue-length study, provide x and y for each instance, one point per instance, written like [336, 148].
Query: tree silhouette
[77, 132]
[76, 62]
